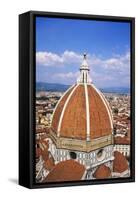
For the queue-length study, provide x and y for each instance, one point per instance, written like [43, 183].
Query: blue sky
[60, 44]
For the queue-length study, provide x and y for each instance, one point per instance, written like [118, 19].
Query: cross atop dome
[84, 71]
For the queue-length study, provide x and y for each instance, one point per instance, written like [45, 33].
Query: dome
[68, 170]
[120, 163]
[102, 172]
[82, 113]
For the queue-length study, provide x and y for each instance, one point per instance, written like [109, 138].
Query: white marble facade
[122, 148]
[90, 160]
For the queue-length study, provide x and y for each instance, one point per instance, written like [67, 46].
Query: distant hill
[120, 90]
[41, 86]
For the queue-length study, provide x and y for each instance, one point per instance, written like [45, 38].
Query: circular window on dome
[101, 154]
[73, 155]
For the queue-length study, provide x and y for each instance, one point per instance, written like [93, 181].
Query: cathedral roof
[82, 113]
[38, 152]
[120, 163]
[122, 140]
[68, 170]
[42, 149]
[102, 172]
[49, 164]
[45, 154]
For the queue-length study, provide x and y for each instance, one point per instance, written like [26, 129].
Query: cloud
[71, 57]
[69, 75]
[104, 71]
[48, 59]
[44, 58]
[116, 62]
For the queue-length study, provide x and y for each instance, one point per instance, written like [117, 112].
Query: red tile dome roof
[82, 113]
[102, 172]
[120, 163]
[68, 170]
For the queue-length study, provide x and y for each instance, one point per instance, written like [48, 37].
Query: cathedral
[80, 142]
[82, 126]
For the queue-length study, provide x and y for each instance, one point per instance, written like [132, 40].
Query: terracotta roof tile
[99, 119]
[58, 110]
[120, 163]
[102, 172]
[38, 152]
[45, 155]
[68, 170]
[74, 119]
[49, 164]
[42, 149]
[122, 140]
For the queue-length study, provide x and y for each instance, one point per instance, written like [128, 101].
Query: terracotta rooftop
[102, 172]
[45, 143]
[42, 149]
[120, 163]
[68, 170]
[40, 130]
[45, 154]
[72, 114]
[122, 140]
[49, 164]
[38, 152]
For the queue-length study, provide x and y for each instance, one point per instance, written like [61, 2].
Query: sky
[60, 44]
